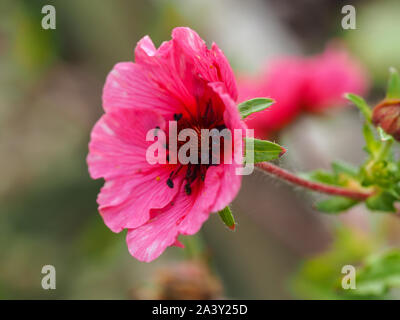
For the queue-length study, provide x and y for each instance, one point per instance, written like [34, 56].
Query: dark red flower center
[208, 116]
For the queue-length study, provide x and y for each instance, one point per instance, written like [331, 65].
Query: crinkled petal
[230, 180]
[227, 75]
[194, 59]
[134, 86]
[118, 143]
[125, 202]
[185, 215]
[117, 152]
[145, 48]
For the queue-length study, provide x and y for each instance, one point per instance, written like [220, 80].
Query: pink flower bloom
[301, 84]
[181, 80]
[283, 82]
[329, 76]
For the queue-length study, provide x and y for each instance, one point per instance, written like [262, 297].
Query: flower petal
[126, 202]
[230, 180]
[117, 152]
[330, 75]
[185, 215]
[131, 85]
[284, 81]
[193, 58]
[144, 49]
[118, 143]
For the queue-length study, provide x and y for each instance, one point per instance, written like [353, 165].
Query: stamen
[170, 183]
[203, 170]
[175, 172]
[207, 109]
[189, 171]
[188, 189]
[207, 118]
[178, 116]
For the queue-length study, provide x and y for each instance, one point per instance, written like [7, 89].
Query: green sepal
[251, 106]
[383, 135]
[227, 217]
[262, 150]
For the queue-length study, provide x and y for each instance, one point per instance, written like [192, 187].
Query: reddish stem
[315, 186]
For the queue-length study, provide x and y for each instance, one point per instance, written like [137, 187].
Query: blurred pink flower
[328, 77]
[299, 84]
[181, 80]
[283, 81]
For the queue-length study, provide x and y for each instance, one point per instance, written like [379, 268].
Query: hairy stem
[315, 186]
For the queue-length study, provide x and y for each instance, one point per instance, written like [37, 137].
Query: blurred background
[50, 97]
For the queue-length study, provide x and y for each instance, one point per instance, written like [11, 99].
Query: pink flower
[283, 81]
[301, 84]
[328, 77]
[182, 80]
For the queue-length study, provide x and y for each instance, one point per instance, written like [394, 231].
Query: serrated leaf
[343, 167]
[227, 217]
[393, 90]
[254, 105]
[383, 201]
[360, 104]
[335, 204]
[262, 150]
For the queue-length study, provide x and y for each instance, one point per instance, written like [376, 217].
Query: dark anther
[202, 176]
[188, 189]
[189, 171]
[178, 116]
[168, 157]
[170, 183]
[208, 107]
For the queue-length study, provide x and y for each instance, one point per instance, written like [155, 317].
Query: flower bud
[387, 116]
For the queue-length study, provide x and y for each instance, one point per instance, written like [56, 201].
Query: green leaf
[382, 201]
[319, 277]
[262, 150]
[393, 90]
[335, 204]
[227, 218]
[343, 167]
[321, 176]
[360, 104]
[373, 145]
[254, 105]
[383, 135]
[380, 273]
